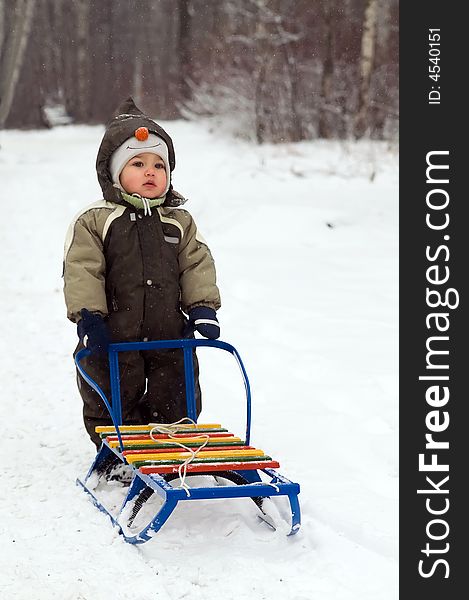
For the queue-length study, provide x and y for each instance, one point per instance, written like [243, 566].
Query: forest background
[268, 70]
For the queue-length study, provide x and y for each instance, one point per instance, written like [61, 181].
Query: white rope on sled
[169, 429]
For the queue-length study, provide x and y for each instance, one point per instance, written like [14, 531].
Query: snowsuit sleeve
[84, 268]
[197, 276]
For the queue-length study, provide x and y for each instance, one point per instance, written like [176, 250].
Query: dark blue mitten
[204, 320]
[93, 332]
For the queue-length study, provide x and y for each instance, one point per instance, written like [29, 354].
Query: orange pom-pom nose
[141, 134]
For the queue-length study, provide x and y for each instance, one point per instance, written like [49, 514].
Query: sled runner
[150, 459]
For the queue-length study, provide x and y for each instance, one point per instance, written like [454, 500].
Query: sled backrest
[187, 345]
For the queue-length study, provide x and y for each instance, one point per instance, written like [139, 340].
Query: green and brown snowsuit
[140, 271]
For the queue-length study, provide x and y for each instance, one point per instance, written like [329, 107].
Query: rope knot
[169, 429]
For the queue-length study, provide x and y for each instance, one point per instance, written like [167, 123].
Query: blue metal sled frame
[254, 487]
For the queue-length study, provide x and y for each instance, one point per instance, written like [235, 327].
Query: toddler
[134, 266]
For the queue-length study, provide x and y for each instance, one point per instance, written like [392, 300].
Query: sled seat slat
[153, 447]
[186, 441]
[105, 430]
[165, 449]
[163, 436]
[211, 467]
[202, 454]
[224, 459]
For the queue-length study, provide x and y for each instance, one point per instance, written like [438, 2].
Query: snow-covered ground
[305, 241]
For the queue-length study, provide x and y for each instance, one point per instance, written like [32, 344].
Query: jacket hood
[122, 126]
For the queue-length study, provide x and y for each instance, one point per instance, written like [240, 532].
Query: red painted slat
[209, 467]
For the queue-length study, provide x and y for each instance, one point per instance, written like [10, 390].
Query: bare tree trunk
[138, 79]
[324, 128]
[83, 70]
[48, 74]
[64, 25]
[140, 28]
[366, 65]
[292, 84]
[13, 54]
[261, 110]
[183, 50]
[2, 26]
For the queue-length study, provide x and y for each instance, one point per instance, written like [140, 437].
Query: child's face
[145, 175]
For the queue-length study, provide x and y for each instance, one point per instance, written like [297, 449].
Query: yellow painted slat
[130, 428]
[182, 440]
[165, 456]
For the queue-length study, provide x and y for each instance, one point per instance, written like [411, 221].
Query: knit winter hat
[142, 141]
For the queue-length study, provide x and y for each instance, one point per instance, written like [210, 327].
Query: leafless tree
[83, 95]
[327, 73]
[183, 49]
[12, 49]
[366, 64]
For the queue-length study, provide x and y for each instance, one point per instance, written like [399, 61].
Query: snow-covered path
[305, 241]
